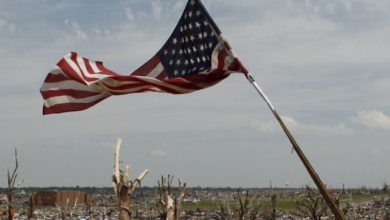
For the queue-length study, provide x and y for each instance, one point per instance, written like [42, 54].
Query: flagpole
[339, 215]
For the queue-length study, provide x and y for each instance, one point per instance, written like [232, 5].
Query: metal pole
[339, 215]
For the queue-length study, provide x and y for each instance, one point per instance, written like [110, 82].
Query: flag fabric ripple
[195, 56]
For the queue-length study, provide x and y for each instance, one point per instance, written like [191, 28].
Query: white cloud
[158, 153]
[4, 25]
[374, 119]
[157, 9]
[129, 14]
[298, 127]
[178, 5]
[75, 27]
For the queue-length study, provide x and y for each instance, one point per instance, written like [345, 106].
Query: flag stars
[187, 50]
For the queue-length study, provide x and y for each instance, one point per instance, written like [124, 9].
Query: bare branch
[138, 180]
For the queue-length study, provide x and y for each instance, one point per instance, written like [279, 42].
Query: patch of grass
[286, 204]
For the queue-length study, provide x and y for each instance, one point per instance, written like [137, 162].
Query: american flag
[196, 56]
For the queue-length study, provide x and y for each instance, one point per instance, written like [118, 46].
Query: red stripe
[179, 82]
[68, 107]
[237, 66]
[227, 45]
[221, 59]
[69, 71]
[105, 70]
[162, 75]
[88, 66]
[79, 94]
[145, 69]
[53, 78]
[74, 59]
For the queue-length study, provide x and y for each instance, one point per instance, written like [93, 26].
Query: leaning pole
[339, 215]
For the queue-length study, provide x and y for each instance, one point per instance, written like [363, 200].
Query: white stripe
[214, 56]
[133, 90]
[83, 67]
[156, 71]
[146, 80]
[70, 84]
[161, 83]
[69, 99]
[116, 83]
[94, 67]
[57, 71]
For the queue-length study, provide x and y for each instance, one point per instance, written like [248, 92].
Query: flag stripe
[68, 107]
[147, 67]
[68, 92]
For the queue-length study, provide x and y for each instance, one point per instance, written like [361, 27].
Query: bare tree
[312, 206]
[224, 211]
[169, 205]
[249, 207]
[123, 186]
[63, 209]
[244, 205]
[11, 185]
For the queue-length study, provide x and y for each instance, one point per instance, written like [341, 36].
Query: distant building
[61, 198]
[3, 199]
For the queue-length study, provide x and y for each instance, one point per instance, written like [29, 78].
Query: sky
[323, 64]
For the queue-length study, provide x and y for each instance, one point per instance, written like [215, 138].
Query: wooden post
[339, 215]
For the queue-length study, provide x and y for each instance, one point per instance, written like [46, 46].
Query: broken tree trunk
[11, 186]
[169, 206]
[123, 186]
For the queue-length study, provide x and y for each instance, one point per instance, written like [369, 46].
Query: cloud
[298, 127]
[157, 9]
[158, 153]
[75, 27]
[129, 14]
[4, 25]
[374, 119]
